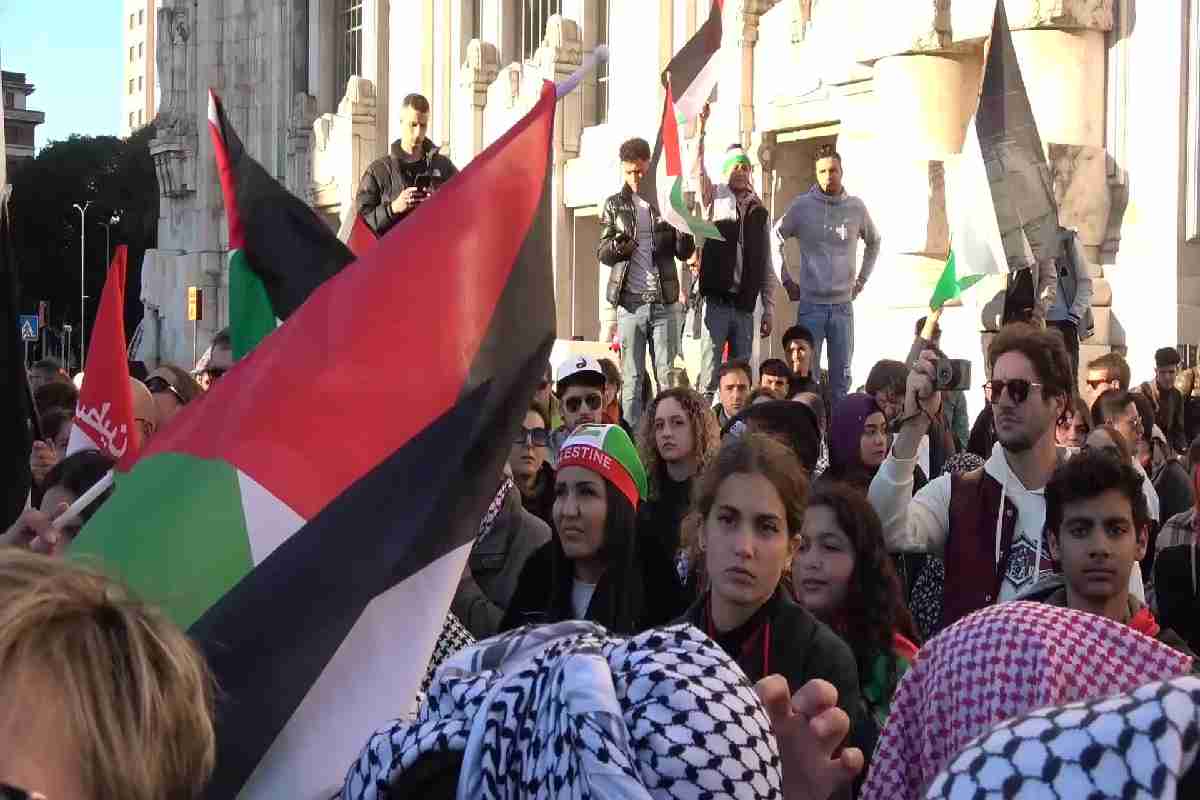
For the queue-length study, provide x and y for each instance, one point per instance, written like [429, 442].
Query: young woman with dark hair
[751, 508]
[593, 568]
[677, 439]
[843, 574]
[858, 440]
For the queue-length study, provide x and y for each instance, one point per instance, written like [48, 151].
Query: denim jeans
[834, 323]
[722, 323]
[654, 323]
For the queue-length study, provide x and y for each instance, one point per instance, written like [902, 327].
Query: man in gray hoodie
[828, 223]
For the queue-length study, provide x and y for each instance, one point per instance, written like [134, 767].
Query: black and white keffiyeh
[570, 711]
[1137, 745]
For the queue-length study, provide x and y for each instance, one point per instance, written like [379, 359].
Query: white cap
[575, 365]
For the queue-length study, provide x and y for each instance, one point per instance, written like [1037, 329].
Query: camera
[952, 374]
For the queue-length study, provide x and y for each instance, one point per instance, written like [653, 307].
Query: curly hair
[706, 435]
[875, 609]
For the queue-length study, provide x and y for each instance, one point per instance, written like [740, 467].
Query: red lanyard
[764, 631]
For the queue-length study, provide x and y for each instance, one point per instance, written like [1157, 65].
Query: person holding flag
[736, 269]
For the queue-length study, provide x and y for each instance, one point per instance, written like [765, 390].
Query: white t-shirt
[581, 597]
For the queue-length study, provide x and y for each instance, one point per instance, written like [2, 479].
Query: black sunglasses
[158, 385]
[8, 792]
[594, 401]
[1018, 390]
[537, 437]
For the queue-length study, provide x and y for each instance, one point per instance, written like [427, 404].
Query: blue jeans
[722, 323]
[834, 323]
[655, 323]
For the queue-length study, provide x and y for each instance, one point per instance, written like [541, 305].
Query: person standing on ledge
[828, 223]
[395, 184]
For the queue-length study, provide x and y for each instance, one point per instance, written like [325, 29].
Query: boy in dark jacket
[1097, 529]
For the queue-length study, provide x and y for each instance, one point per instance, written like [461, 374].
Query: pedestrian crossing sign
[29, 327]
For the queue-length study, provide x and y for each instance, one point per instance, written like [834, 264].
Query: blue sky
[71, 52]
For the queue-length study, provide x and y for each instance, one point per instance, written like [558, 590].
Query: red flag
[361, 237]
[104, 416]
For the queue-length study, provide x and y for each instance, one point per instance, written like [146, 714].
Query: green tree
[117, 175]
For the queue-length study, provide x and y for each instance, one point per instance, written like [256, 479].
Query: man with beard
[986, 524]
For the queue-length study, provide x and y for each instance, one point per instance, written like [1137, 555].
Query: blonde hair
[706, 435]
[134, 693]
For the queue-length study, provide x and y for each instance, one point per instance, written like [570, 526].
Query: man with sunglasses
[987, 524]
[220, 360]
[580, 392]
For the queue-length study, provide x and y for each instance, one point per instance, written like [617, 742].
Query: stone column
[480, 69]
[561, 54]
[746, 26]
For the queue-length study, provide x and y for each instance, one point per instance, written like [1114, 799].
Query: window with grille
[534, 16]
[140, 50]
[140, 84]
[131, 54]
[350, 41]
[131, 85]
[141, 17]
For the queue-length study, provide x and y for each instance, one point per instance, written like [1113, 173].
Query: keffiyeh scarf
[569, 711]
[1136, 745]
[998, 663]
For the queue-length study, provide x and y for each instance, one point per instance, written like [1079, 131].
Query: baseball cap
[582, 369]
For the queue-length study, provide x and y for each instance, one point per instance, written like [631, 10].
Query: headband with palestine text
[607, 451]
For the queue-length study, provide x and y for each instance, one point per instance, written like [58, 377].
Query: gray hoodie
[828, 229]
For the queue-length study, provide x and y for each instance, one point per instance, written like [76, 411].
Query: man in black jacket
[397, 183]
[735, 273]
[644, 302]
[1166, 399]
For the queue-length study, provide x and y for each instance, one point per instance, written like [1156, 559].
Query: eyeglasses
[158, 385]
[8, 792]
[1096, 383]
[1018, 390]
[572, 404]
[536, 437]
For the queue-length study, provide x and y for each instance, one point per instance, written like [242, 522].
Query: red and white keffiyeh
[1000, 662]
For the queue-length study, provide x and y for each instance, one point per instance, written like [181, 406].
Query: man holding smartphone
[394, 185]
[644, 303]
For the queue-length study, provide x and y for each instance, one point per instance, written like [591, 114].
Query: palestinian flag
[1010, 146]
[104, 418]
[308, 522]
[280, 250]
[689, 79]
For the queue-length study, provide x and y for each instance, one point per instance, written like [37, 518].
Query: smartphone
[953, 374]
[424, 182]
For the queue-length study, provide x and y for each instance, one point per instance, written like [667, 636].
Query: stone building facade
[138, 37]
[314, 88]
[20, 121]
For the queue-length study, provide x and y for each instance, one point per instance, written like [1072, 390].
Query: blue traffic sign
[29, 327]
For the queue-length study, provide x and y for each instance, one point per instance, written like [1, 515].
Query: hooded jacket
[828, 229]
[922, 523]
[1052, 590]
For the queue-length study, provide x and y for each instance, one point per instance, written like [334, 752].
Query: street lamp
[113, 219]
[82, 297]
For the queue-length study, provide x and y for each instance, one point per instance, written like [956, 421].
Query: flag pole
[85, 500]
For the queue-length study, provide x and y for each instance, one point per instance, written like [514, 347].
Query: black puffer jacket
[390, 175]
[618, 223]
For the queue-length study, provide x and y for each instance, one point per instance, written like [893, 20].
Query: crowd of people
[769, 585]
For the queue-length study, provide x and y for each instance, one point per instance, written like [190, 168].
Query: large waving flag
[689, 79]
[104, 414]
[1011, 148]
[310, 545]
[279, 249]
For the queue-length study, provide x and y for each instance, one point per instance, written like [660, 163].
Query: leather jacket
[385, 179]
[618, 223]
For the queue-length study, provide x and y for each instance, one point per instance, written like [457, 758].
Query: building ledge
[24, 115]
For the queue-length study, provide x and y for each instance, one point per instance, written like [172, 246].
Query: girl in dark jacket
[750, 504]
[842, 573]
[677, 439]
[592, 568]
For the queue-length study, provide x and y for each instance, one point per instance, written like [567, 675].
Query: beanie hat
[607, 451]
